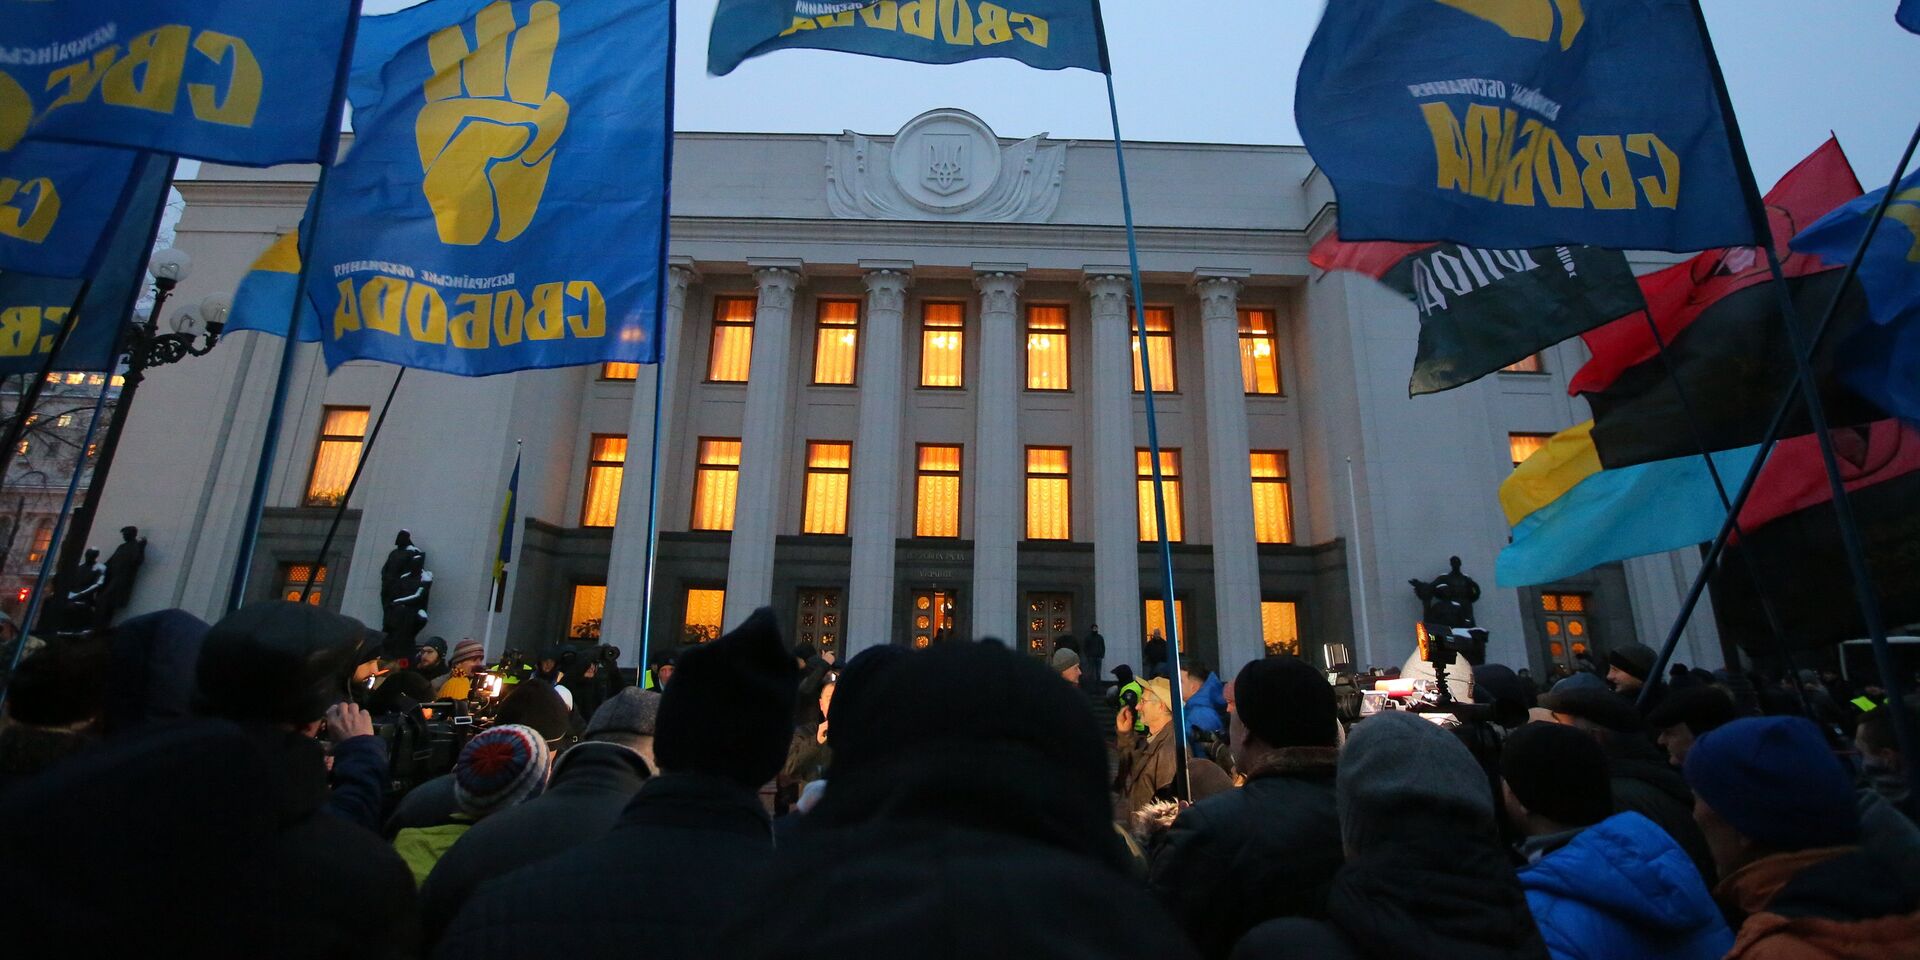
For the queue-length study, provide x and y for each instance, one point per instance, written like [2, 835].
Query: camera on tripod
[1440, 645]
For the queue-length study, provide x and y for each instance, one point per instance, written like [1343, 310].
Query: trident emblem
[946, 172]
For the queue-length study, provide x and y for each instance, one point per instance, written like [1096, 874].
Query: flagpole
[30, 397]
[53, 543]
[497, 586]
[340, 511]
[1360, 571]
[650, 563]
[1181, 787]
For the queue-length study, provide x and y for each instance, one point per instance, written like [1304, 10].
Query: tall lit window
[1530, 364]
[836, 341]
[606, 464]
[1280, 626]
[342, 432]
[1154, 620]
[42, 541]
[1272, 507]
[943, 344]
[715, 483]
[1159, 324]
[296, 578]
[1049, 493]
[1047, 347]
[1259, 352]
[828, 465]
[1170, 481]
[732, 352]
[1523, 445]
[937, 492]
[615, 370]
[705, 606]
[589, 605]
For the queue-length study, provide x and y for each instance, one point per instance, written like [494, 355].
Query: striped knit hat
[468, 649]
[499, 768]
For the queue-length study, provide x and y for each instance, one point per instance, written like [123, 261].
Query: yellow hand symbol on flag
[487, 133]
[1528, 19]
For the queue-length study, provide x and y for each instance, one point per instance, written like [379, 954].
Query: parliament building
[901, 400]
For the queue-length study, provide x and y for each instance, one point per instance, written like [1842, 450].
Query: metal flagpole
[649, 562]
[1181, 788]
[340, 511]
[497, 589]
[30, 395]
[1360, 571]
[53, 543]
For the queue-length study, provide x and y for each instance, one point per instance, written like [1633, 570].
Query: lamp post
[146, 348]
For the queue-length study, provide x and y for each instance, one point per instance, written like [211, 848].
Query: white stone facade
[996, 225]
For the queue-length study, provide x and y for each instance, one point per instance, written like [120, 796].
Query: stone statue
[122, 567]
[80, 594]
[406, 614]
[1449, 598]
[391, 586]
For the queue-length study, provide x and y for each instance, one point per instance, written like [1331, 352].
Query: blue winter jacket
[1206, 709]
[1623, 889]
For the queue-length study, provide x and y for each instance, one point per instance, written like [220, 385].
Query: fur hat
[729, 709]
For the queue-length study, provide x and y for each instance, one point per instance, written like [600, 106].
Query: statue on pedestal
[122, 567]
[405, 587]
[1448, 599]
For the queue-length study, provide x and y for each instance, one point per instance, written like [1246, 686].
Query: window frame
[720, 321]
[958, 474]
[595, 465]
[322, 438]
[959, 330]
[1064, 332]
[686, 607]
[1066, 477]
[1176, 510]
[820, 328]
[573, 609]
[1143, 339]
[606, 371]
[810, 471]
[1299, 642]
[699, 467]
[289, 588]
[1284, 481]
[1272, 338]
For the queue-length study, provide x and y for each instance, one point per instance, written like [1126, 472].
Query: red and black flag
[1726, 344]
[1481, 310]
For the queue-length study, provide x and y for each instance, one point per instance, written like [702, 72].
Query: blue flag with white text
[33, 308]
[238, 81]
[1521, 123]
[503, 206]
[1048, 34]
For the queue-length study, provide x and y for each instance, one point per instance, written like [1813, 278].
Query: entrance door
[1049, 615]
[932, 618]
[1565, 623]
[818, 619]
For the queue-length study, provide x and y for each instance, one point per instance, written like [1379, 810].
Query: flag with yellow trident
[504, 203]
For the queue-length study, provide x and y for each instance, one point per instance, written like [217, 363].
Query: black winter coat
[430, 804]
[659, 885]
[1645, 783]
[203, 838]
[592, 784]
[1269, 849]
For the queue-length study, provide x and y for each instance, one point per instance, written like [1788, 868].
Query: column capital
[1109, 292]
[999, 292]
[1010, 268]
[1219, 296]
[887, 288]
[776, 282]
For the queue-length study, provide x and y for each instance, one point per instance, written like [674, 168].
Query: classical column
[1236, 559]
[1116, 531]
[763, 442]
[626, 580]
[874, 501]
[997, 469]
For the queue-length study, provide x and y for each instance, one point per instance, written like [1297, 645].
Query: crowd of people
[227, 790]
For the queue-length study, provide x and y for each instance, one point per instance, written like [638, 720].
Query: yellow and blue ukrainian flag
[504, 554]
[265, 299]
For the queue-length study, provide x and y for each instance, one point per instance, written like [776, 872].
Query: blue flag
[1522, 123]
[58, 204]
[238, 81]
[1890, 268]
[1909, 15]
[33, 308]
[504, 204]
[1049, 34]
[265, 298]
[504, 555]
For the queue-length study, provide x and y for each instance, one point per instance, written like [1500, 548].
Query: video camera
[1441, 644]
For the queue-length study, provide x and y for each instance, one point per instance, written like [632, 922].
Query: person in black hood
[692, 836]
[152, 674]
[1426, 873]
[966, 812]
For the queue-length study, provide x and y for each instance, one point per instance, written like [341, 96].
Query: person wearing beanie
[1204, 695]
[1066, 664]
[1687, 714]
[502, 766]
[1147, 764]
[1778, 812]
[1599, 884]
[695, 831]
[468, 656]
[592, 782]
[968, 814]
[1642, 779]
[430, 661]
[1628, 667]
[532, 703]
[1425, 872]
[1269, 849]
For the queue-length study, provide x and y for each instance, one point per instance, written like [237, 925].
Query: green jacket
[1139, 726]
[422, 847]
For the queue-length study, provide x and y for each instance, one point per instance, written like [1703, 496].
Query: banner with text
[58, 205]
[503, 207]
[1048, 34]
[1521, 123]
